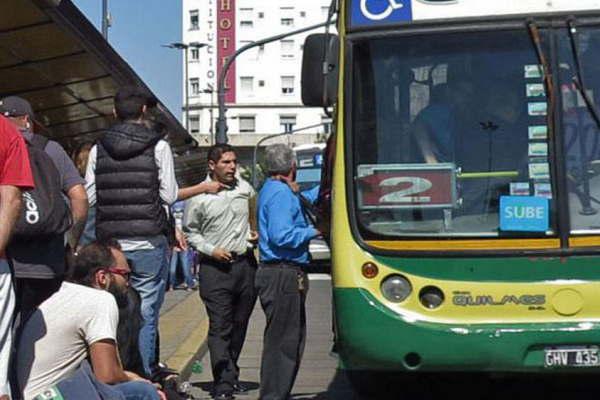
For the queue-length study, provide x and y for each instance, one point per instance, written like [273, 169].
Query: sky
[139, 28]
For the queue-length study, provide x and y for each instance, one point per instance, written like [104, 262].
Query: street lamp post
[210, 89]
[185, 47]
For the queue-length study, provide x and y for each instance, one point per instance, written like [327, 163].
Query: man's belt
[283, 264]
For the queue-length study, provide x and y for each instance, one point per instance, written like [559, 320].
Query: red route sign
[407, 188]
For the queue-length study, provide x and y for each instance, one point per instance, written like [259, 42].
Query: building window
[287, 49]
[247, 84]
[194, 124]
[326, 121]
[287, 21]
[194, 86]
[303, 14]
[287, 122]
[261, 83]
[247, 123]
[261, 14]
[246, 17]
[287, 84]
[194, 20]
[195, 54]
[325, 11]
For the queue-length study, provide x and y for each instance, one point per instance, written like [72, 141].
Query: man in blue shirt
[281, 281]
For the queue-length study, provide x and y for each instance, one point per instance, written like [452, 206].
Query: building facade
[263, 86]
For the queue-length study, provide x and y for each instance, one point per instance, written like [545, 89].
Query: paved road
[319, 379]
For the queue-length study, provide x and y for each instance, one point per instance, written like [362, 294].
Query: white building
[263, 90]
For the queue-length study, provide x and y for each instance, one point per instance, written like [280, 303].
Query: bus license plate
[571, 357]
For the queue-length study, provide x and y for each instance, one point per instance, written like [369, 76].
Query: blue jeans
[137, 390]
[149, 278]
[182, 258]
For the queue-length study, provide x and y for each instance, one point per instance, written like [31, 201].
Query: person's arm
[105, 362]
[166, 172]
[312, 195]
[79, 210]
[10, 205]
[425, 143]
[281, 228]
[199, 188]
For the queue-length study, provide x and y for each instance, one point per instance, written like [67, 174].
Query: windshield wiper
[578, 80]
[587, 208]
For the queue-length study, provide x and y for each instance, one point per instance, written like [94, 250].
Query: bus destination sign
[406, 186]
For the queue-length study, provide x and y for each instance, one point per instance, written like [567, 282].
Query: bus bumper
[372, 337]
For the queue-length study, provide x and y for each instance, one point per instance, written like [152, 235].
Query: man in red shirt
[15, 175]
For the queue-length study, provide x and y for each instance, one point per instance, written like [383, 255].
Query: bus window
[581, 133]
[449, 120]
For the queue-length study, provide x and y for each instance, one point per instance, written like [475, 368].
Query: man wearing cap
[40, 265]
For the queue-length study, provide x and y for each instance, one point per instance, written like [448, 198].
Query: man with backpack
[38, 248]
[15, 175]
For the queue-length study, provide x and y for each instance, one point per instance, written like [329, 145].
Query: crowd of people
[90, 245]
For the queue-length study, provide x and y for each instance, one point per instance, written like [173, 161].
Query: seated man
[78, 321]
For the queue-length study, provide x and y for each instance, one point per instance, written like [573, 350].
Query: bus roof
[371, 13]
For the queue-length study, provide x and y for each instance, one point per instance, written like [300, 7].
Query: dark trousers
[282, 290]
[227, 290]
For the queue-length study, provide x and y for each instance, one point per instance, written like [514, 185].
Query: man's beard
[119, 294]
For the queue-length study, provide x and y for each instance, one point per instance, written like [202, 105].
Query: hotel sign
[226, 44]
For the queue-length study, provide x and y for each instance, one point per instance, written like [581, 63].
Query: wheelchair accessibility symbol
[392, 6]
[379, 12]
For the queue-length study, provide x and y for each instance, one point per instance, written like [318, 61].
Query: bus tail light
[396, 288]
[431, 297]
[369, 270]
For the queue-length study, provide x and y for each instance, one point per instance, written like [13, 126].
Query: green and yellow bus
[465, 198]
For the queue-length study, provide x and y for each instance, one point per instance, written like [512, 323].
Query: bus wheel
[384, 384]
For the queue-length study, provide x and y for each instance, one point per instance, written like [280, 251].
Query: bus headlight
[396, 288]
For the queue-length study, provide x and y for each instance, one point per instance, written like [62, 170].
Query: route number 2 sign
[406, 186]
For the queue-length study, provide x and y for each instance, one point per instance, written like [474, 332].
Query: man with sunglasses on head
[218, 227]
[79, 321]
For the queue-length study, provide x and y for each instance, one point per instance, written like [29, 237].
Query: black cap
[13, 106]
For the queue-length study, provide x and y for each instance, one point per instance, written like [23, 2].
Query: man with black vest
[131, 178]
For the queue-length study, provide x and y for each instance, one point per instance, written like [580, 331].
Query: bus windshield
[445, 129]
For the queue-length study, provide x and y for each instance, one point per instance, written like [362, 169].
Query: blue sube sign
[380, 12]
[524, 213]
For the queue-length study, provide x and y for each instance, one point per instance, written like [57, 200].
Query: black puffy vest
[128, 202]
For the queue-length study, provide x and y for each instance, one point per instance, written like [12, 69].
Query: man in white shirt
[217, 225]
[78, 321]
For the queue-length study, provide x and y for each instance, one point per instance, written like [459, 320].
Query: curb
[194, 344]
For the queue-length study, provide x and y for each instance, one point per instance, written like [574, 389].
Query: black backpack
[44, 210]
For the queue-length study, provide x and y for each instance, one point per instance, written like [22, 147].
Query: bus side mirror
[320, 76]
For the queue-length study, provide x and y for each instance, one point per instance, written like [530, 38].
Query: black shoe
[240, 388]
[224, 396]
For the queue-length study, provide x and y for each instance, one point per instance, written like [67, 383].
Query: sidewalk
[183, 327]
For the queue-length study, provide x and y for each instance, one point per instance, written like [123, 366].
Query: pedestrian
[15, 175]
[217, 225]
[130, 178]
[181, 256]
[281, 281]
[39, 260]
[52, 347]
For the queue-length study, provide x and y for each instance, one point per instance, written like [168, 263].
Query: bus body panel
[381, 340]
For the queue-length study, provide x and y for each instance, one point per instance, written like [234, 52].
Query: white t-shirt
[57, 337]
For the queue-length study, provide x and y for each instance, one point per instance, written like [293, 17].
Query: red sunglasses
[119, 271]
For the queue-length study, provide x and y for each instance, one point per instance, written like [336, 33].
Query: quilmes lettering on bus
[466, 179]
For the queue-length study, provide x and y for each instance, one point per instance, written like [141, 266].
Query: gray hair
[279, 159]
